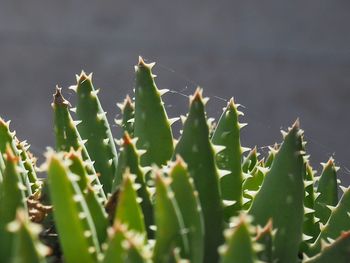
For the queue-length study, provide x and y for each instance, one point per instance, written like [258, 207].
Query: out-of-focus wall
[280, 59]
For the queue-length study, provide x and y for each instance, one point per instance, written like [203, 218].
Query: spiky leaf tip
[128, 114]
[197, 151]
[188, 202]
[151, 125]
[129, 159]
[8, 139]
[327, 190]
[26, 248]
[281, 197]
[12, 197]
[239, 247]
[264, 237]
[74, 224]
[338, 251]
[95, 129]
[170, 228]
[227, 134]
[90, 194]
[128, 209]
[338, 222]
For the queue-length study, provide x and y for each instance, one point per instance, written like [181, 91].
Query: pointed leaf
[227, 133]
[196, 150]
[151, 125]
[281, 197]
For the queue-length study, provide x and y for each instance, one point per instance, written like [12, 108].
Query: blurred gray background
[280, 59]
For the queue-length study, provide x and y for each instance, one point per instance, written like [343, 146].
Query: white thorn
[264, 170]
[76, 123]
[245, 149]
[229, 202]
[118, 122]
[95, 92]
[246, 176]
[140, 152]
[74, 87]
[163, 91]
[173, 120]
[183, 119]
[205, 100]
[242, 125]
[132, 120]
[101, 115]
[343, 188]
[222, 173]
[120, 106]
[308, 183]
[153, 227]
[218, 148]
[331, 207]
[308, 210]
[306, 237]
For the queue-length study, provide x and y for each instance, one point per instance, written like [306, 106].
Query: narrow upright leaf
[227, 134]
[328, 191]
[7, 138]
[73, 221]
[95, 129]
[187, 199]
[130, 160]
[338, 252]
[281, 197]
[151, 127]
[128, 114]
[27, 247]
[129, 210]
[12, 197]
[197, 151]
[239, 245]
[170, 232]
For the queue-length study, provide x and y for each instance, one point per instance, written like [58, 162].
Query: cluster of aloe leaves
[151, 198]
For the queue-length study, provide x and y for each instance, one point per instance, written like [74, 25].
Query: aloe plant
[150, 197]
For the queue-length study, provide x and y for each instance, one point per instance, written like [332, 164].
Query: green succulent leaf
[311, 227]
[96, 209]
[2, 168]
[115, 251]
[8, 138]
[227, 134]
[151, 126]
[74, 224]
[12, 197]
[26, 246]
[250, 161]
[327, 190]
[170, 227]
[29, 164]
[338, 221]
[264, 237]
[197, 151]
[68, 137]
[281, 197]
[128, 209]
[187, 199]
[239, 246]
[338, 251]
[129, 159]
[95, 129]
[128, 114]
